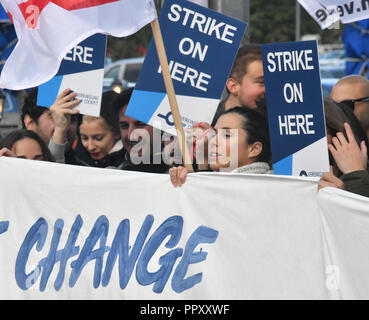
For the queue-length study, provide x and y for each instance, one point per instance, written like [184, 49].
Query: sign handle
[171, 93]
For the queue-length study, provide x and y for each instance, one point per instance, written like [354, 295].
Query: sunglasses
[351, 103]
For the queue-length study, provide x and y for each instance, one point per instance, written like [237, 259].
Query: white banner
[69, 232]
[327, 12]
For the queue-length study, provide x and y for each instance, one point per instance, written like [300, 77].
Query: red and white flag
[47, 30]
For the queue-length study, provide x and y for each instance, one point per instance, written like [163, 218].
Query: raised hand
[61, 112]
[178, 176]
[348, 155]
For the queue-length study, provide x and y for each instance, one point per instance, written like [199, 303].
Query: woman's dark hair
[107, 111]
[17, 135]
[122, 100]
[256, 127]
[31, 108]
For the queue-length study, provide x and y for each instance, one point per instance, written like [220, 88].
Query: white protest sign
[69, 232]
[81, 70]
[327, 12]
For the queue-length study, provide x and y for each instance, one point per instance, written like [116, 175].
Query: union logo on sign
[31, 9]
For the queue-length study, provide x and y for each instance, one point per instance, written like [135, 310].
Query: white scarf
[256, 167]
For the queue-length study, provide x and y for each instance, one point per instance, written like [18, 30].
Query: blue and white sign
[201, 46]
[295, 108]
[82, 70]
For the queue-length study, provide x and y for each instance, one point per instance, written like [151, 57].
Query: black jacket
[150, 168]
[357, 182]
[112, 160]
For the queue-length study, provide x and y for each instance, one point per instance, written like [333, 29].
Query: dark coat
[112, 160]
[357, 182]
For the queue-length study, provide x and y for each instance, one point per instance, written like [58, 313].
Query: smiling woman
[100, 137]
[239, 143]
[25, 144]
[96, 136]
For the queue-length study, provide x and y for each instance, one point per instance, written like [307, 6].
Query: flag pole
[171, 93]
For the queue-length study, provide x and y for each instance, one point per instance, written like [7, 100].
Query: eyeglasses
[351, 103]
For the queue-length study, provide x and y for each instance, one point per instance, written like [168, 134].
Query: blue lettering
[130, 257]
[172, 226]
[200, 235]
[121, 246]
[99, 231]
[167, 262]
[36, 235]
[4, 226]
[70, 250]
[49, 262]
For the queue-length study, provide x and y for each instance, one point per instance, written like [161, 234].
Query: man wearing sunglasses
[353, 91]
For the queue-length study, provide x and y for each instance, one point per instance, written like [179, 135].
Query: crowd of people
[236, 141]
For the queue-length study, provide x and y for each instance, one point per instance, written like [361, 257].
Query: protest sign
[327, 12]
[70, 232]
[201, 46]
[81, 70]
[295, 108]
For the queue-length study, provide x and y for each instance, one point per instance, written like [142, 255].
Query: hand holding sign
[5, 152]
[61, 112]
[198, 137]
[83, 70]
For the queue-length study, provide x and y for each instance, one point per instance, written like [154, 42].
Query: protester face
[96, 137]
[252, 86]
[229, 147]
[28, 148]
[44, 126]
[136, 136]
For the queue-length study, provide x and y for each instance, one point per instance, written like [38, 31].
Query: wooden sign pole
[171, 93]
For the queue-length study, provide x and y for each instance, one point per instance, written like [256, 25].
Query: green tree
[274, 21]
[270, 21]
